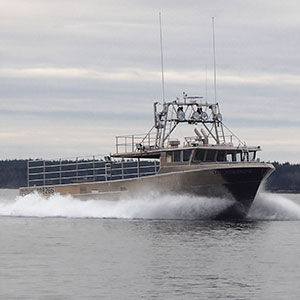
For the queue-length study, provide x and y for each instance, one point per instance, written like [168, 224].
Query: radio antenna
[206, 83]
[162, 61]
[214, 54]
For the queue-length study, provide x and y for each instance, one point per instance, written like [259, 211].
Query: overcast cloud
[73, 74]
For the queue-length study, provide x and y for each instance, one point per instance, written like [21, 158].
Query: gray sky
[74, 74]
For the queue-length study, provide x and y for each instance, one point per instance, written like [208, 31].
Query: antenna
[162, 61]
[206, 83]
[214, 53]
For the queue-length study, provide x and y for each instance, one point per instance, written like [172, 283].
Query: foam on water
[266, 206]
[148, 207]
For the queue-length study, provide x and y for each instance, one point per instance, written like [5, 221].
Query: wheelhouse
[204, 155]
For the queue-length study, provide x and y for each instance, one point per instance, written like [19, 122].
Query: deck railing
[62, 171]
[136, 142]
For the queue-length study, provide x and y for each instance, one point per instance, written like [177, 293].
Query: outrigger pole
[215, 75]
[162, 61]
[214, 55]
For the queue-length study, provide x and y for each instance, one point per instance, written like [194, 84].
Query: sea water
[153, 247]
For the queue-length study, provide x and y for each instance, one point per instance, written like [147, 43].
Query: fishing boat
[213, 162]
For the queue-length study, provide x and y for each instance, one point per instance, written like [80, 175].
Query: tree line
[285, 178]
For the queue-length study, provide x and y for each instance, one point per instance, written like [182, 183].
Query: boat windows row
[209, 155]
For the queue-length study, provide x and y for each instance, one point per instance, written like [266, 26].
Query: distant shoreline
[284, 192]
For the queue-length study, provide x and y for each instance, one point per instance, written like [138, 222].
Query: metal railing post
[138, 168]
[28, 181]
[77, 169]
[122, 167]
[132, 143]
[60, 171]
[94, 171]
[44, 172]
[156, 166]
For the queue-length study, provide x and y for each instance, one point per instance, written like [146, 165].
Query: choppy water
[63, 248]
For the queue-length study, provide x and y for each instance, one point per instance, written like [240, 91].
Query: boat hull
[238, 182]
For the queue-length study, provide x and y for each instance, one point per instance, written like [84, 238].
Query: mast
[206, 83]
[214, 55]
[161, 61]
[215, 76]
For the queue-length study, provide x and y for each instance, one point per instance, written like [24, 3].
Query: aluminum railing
[51, 172]
[136, 142]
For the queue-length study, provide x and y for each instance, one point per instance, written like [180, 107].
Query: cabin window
[252, 155]
[234, 157]
[210, 155]
[245, 156]
[229, 157]
[169, 157]
[221, 156]
[187, 155]
[199, 155]
[177, 156]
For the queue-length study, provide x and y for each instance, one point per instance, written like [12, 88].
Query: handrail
[100, 175]
[128, 143]
[108, 170]
[81, 170]
[62, 164]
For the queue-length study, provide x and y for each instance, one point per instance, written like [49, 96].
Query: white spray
[269, 206]
[148, 207]
[266, 206]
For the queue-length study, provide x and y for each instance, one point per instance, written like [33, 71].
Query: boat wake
[266, 206]
[149, 207]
